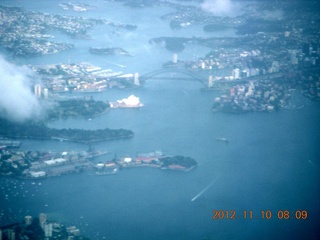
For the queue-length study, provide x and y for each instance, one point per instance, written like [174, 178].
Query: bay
[265, 166]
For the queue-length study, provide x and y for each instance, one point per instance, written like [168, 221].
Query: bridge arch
[191, 75]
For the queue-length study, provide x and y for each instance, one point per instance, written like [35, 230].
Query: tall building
[175, 58]
[136, 79]
[48, 230]
[210, 81]
[203, 65]
[27, 220]
[42, 219]
[236, 73]
[37, 90]
[11, 234]
[293, 57]
[45, 93]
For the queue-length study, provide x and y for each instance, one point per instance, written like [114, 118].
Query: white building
[37, 90]
[48, 230]
[236, 73]
[175, 58]
[42, 220]
[210, 81]
[136, 79]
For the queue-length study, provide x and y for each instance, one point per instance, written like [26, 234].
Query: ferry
[222, 140]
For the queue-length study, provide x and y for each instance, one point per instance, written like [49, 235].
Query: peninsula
[153, 159]
[26, 164]
[39, 131]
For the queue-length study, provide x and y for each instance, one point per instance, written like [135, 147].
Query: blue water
[265, 166]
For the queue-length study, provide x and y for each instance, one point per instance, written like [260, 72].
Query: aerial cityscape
[98, 96]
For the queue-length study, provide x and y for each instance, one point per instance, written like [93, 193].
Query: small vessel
[222, 140]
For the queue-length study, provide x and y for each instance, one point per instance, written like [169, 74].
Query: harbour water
[266, 165]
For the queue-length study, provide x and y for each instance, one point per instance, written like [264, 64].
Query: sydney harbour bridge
[174, 74]
[170, 74]
[207, 79]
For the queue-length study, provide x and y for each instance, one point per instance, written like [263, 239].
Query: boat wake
[204, 190]
[312, 163]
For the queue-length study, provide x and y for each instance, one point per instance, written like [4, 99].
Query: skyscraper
[210, 81]
[48, 230]
[42, 219]
[45, 93]
[175, 58]
[37, 90]
[136, 79]
[236, 73]
[27, 220]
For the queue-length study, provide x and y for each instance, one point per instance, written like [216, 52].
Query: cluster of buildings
[271, 52]
[187, 15]
[253, 96]
[24, 33]
[81, 77]
[40, 228]
[78, 7]
[153, 159]
[35, 164]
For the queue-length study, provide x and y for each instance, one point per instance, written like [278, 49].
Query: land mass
[78, 108]
[38, 130]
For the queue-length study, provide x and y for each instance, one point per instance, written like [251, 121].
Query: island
[109, 51]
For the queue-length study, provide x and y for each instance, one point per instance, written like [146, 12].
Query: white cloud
[17, 101]
[220, 7]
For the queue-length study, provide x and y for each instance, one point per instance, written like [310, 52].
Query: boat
[222, 140]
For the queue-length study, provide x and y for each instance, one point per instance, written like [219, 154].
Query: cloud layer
[17, 101]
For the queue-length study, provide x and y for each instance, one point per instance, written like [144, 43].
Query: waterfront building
[37, 90]
[136, 80]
